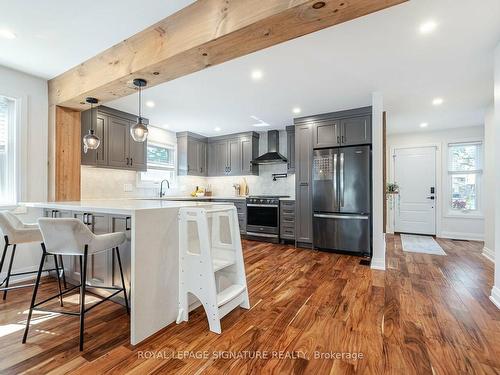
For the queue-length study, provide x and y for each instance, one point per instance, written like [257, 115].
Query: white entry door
[415, 206]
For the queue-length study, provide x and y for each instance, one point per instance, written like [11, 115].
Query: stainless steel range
[263, 217]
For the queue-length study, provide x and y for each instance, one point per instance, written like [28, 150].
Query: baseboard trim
[489, 254]
[461, 236]
[495, 296]
[378, 264]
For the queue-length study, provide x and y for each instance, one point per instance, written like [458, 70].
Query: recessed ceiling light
[427, 27]
[424, 125]
[7, 34]
[296, 110]
[150, 104]
[437, 101]
[217, 129]
[257, 75]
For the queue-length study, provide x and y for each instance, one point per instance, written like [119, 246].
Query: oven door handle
[262, 205]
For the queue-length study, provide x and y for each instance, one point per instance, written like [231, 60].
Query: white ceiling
[56, 35]
[337, 68]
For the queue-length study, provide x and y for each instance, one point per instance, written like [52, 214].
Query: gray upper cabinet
[192, 154]
[249, 151]
[217, 158]
[117, 149]
[234, 162]
[356, 130]
[303, 173]
[290, 148]
[118, 130]
[345, 128]
[326, 134]
[231, 155]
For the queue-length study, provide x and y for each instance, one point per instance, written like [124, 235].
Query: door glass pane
[463, 192]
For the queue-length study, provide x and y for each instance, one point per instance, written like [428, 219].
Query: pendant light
[91, 141]
[139, 131]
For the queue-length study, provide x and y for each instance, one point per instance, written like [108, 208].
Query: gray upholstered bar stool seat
[15, 233]
[72, 237]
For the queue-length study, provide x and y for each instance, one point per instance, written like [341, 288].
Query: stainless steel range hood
[272, 156]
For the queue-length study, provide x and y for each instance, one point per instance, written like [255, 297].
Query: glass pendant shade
[139, 131]
[91, 141]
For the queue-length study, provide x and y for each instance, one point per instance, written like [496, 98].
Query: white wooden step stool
[211, 262]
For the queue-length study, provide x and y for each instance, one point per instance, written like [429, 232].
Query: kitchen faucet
[162, 193]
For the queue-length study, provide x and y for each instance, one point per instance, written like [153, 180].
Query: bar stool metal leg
[63, 272]
[4, 253]
[123, 279]
[58, 280]
[35, 291]
[83, 278]
[9, 271]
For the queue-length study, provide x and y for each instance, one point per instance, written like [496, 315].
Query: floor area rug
[421, 244]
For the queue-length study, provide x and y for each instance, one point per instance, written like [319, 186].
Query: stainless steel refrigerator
[342, 199]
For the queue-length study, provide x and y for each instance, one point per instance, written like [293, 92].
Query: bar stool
[64, 236]
[16, 232]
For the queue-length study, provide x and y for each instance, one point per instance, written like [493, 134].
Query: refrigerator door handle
[335, 192]
[348, 217]
[341, 192]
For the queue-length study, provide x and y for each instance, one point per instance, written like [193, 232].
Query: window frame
[140, 183]
[13, 151]
[478, 172]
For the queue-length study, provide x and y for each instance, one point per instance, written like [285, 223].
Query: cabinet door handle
[127, 222]
[128, 161]
[338, 138]
[131, 161]
[343, 139]
[85, 219]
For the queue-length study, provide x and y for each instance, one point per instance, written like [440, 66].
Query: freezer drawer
[340, 232]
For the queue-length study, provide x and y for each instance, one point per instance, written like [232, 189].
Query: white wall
[489, 185]
[447, 225]
[378, 258]
[495, 291]
[31, 93]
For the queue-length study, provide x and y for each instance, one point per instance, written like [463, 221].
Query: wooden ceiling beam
[206, 33]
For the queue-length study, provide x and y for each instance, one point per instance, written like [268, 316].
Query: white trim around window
[472, 176]
[168, 172]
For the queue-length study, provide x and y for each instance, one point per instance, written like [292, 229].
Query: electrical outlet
[128, 188]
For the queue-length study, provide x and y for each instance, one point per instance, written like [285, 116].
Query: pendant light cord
[140, 103]
[91, 117]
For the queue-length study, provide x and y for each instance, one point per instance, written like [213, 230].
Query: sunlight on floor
[40, 316]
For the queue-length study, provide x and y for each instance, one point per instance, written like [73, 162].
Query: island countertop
[115, 206]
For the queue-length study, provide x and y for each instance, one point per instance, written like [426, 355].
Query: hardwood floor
[425, 315]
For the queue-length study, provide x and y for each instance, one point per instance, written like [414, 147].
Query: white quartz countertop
[115, 206]
[189, 198]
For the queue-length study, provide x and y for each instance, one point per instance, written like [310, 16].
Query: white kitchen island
[154, 255]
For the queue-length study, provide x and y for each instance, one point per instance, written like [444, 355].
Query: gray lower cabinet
[287, 220]
[303, 194]
[241, 208]
[191, 154]
[118, 149]
[290, 148]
